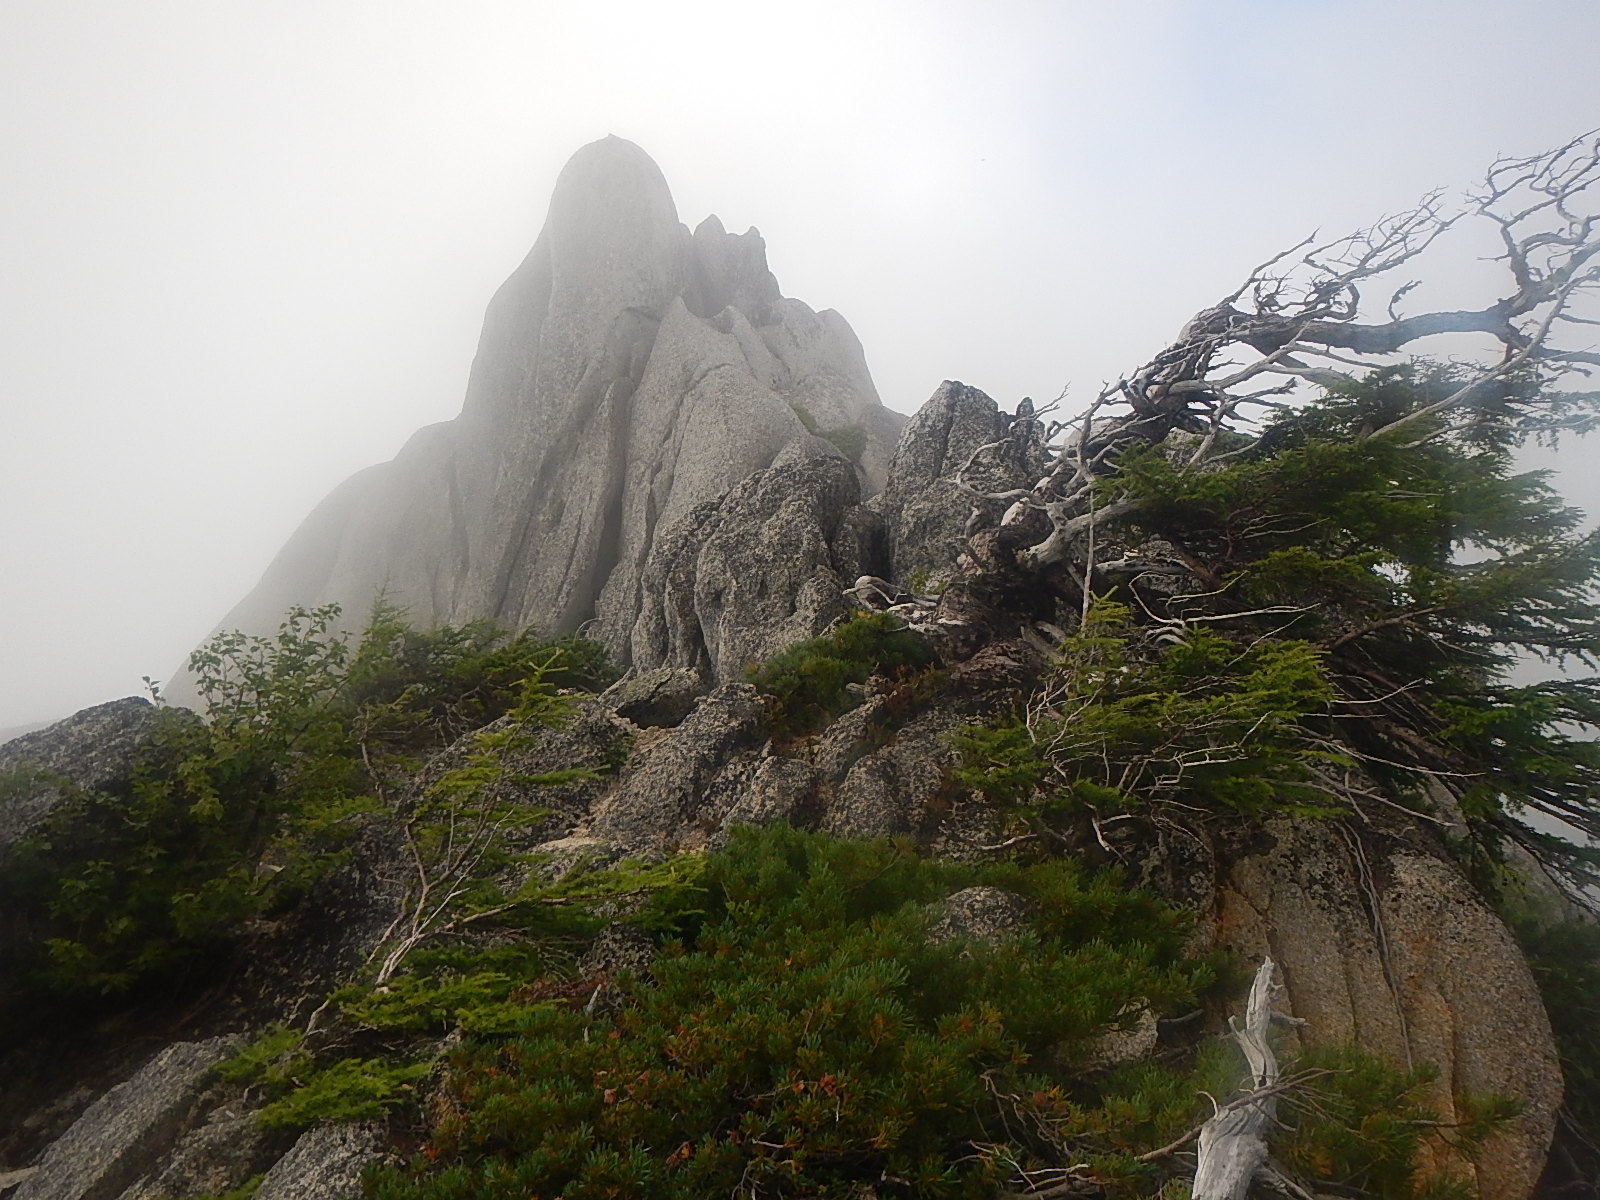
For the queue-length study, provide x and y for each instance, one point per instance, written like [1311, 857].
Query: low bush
[1125, 721]
[808, 684]
[848, 440]
[1366, 1128]
[233, 818]
[804, 1035]
[1565, 957]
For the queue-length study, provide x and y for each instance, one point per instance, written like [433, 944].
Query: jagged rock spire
[628, 371]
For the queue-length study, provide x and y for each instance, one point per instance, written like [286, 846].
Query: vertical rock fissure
[635, 352]
[1374, 908]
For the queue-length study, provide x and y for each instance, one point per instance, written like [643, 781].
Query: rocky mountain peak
[628, 372]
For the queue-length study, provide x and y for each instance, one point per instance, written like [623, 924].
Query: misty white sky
[245, 245]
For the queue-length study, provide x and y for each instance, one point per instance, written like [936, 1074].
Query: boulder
[667, 792]
[924, 510]
[765, 566]
[216, 1157]
[326, 1163]
[619, 947]
[763, 789]
[663, 696]
[1386, 945]
[897, 788]
[988, 915]
[129, 1129]
[889, 773]
[93, 750]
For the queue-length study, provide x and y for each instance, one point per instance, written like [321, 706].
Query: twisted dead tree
[1318, 319]
[1297, 319]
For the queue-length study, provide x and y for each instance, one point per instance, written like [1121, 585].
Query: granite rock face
[1387, 946]
[128, 1129]
[988, 915]
[210, 1159]
[628, 372]
[91, 750]
[660, 697]
[667, 790]
[923, 509]
[326, 1163]
[762, 567]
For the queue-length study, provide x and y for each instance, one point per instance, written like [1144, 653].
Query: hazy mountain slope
[628, 371]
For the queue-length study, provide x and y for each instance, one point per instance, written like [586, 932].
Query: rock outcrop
[923, 507]
[628, 372]
[211, 1159]
[741, 577]
[1384, 944]
[326, 1163]
[663, 696]
[127, 1130]
[92, 750]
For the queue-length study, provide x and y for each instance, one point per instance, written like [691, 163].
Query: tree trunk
[1233, 1143]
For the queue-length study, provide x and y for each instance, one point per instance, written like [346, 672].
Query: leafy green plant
[459, 833]
[849, 440]
[279, 1065]
[273, 1059]
[479, 996]
[148, 881]
[809, 683]
[1364, 1125]
[1565, 957]
[922, 580]
[244, 1191]
[1419, 565]
[351, 1089]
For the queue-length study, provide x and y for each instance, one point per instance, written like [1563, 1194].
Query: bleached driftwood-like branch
[1233, 1143]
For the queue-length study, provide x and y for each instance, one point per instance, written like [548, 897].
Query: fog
[245, 246]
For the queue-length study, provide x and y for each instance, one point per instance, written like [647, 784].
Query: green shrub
[272, 1059]
[802, 1034]
[278, 1066]
[808, 684]
[1425, 565]
[147, 882]
[244, 1191]
[849, 440]
[1125, 721]
[455, 678]
[229, 819]
[1363, 1128]
[351, 1089]
[807, 1037]
[1353, 1125]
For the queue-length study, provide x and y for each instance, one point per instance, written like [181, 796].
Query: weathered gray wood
[1233, 1143]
